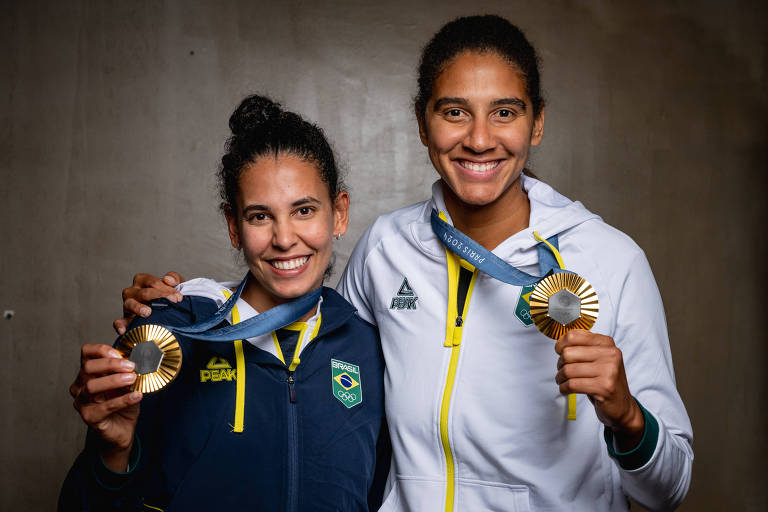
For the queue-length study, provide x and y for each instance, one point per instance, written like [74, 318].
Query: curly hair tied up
[487, 33]
[261, 127]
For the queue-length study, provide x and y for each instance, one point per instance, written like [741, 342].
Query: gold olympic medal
[563, 302]
[156, 354]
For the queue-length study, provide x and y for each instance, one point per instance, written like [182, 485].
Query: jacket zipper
[459, 305]
[293, 447]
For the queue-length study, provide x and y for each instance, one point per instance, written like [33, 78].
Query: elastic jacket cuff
[638, 456]
[115, 480]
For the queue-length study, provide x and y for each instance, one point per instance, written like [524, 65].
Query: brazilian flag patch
[523, 307]
[345, 380]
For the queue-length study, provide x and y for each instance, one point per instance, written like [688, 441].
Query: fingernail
[169, 280]
[145, 312]
[128, 377]
[179, 297]
[127, 364]
[134, 396]
[121, 330]
[114, 353]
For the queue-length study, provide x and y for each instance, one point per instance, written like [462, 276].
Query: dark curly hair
[487, 33]
[261, 127]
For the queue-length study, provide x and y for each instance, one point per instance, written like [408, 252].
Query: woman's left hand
[592, 364]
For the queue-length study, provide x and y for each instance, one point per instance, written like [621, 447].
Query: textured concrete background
[113, 117]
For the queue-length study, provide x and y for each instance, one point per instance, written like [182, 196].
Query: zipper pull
[459, 321]
[291, 388]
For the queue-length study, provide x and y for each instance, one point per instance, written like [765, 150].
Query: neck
[256, 297]
[490, 224]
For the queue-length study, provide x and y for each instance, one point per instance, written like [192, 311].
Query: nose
[284, 235]
[479, 138]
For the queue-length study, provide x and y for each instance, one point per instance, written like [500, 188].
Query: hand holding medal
[564, 307]
[104, 402]
[591, 364]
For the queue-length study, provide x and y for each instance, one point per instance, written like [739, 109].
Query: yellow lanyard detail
[240, 377]
[571, 396]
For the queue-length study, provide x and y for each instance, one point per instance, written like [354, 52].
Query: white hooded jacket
[475, 416]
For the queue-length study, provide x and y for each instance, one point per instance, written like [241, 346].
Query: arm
[651, 445]
[101, 477]
[119, 449]
[354, 284]
[641, 334]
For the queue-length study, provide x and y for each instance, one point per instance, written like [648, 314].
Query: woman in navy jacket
[291, 420]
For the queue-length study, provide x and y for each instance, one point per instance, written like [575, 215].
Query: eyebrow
[510, 101]
[440, 103]
[264, 208]
[305, 200]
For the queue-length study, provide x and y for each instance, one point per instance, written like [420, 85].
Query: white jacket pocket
[475, 495]
[416, 494]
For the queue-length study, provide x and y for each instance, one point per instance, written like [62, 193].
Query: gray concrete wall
[113, 116]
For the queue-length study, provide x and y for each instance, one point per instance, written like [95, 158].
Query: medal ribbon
[483, 259]
[268, 321]
[480, 257]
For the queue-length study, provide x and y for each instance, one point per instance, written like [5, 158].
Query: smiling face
[479, 126]
[285, 225]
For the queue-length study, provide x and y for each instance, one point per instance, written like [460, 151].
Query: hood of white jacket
[551, 214]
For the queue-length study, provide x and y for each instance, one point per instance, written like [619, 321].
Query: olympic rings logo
[346, 396]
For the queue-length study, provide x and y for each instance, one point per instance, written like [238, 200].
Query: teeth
[289, 264]
[481, 167]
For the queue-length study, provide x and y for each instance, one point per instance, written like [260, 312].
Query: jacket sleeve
[90, 485]
[657, 472]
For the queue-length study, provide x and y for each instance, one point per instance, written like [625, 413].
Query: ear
[340, 213]
[537, 133]
[422, 127]
[234, 231]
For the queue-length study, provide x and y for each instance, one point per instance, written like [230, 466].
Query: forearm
[117, 458]
[658, 478]
[91, 485]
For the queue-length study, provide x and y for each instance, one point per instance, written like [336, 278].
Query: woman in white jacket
[477, 399]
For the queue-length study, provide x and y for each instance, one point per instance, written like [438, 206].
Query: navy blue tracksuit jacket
[309, 453]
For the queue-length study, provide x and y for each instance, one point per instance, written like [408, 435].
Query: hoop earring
[338, 236]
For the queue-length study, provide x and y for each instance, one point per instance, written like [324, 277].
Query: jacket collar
[551, 214]
[335, 310]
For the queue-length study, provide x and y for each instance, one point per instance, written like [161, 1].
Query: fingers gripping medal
[562, 302]
[156, 354]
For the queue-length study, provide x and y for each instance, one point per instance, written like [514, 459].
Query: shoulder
[581, 233]
[613, 262]
[204, 287]
[603, 242]
[342, 311]
[392, 224]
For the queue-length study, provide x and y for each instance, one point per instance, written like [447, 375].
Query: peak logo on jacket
[218, 369]
[405, 297]
[345, 379]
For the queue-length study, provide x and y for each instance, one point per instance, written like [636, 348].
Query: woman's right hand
[144, 289]
[104, 403]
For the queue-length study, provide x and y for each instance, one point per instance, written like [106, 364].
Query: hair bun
[253, 113]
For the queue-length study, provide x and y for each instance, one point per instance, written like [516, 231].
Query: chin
[477, 196]
[290, 291]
